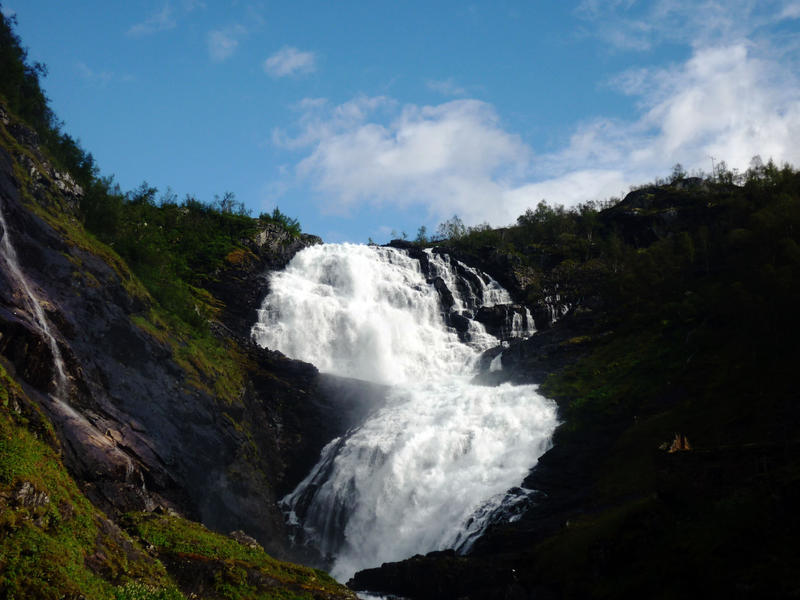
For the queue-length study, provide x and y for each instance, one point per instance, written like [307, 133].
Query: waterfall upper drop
[426, 470]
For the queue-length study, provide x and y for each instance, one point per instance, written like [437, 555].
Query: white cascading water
[33, 305]
[425, 471]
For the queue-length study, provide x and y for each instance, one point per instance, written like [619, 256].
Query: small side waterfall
[433, 466]
[33, 306]
[82, 435]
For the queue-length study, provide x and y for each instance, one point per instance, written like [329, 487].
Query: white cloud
[737, 95]
[728, 102]
[159, 21]
[446, 87]
[725, 102]
[451, 158]
[318, 120]
[222, 43]
[289, 61]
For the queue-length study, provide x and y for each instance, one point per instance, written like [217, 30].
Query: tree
[678, 173]
[230, 205]
[285, 221]
[452, 229]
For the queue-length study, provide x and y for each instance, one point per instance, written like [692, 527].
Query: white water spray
[423, 472]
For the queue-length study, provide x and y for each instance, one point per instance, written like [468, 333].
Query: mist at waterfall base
[429, 467]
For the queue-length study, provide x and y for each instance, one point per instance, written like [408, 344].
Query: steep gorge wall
[138, 430]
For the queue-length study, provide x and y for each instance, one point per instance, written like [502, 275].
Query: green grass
[213, 366]
[53, 542]
[233, 571]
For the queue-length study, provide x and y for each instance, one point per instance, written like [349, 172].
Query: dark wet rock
[507, 269]
[402, 244]
[23, 134]
[459, 322]
[542, 315]
[499, 319]
[440, 576]
[445, 295]
[531, 360]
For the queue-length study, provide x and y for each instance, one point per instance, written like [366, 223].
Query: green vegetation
[292, 226]
[226, 568]
[21, 92]
[53, 542]
[173, 248]
[134, 590]
[166, 252]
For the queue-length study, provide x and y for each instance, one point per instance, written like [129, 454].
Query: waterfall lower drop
[428, 469]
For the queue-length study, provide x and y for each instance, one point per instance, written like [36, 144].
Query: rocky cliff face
[139, 422]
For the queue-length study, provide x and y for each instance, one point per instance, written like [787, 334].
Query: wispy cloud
[289, 61]
[92, 76]
[8, 12]
[162, 20]
[190, 5]
[446, 87]
[222, 43]
[791, 11]
[630, 25]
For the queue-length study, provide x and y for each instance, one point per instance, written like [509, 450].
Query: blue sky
[360, 118]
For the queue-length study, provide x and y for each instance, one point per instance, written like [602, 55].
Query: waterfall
[81, 434]
[33, 305]
[428, 469]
